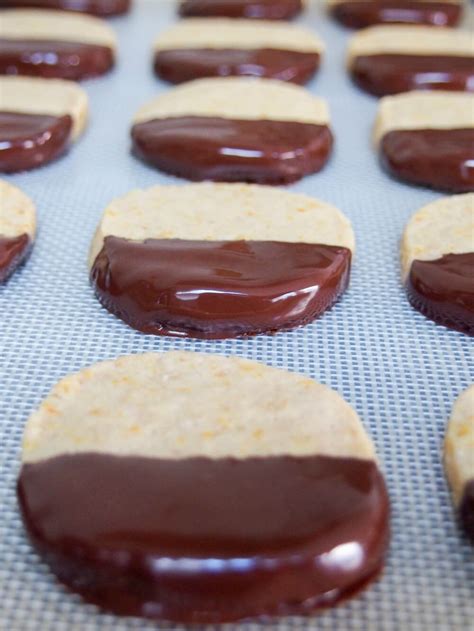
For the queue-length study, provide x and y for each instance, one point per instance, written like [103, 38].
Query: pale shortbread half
[182, 404]
[56, 26]
[238, 98]
[445, 226]
[459, 444]
[51, 97]
[239, 34]
[411, 40]
[222, 212]
[424, 110]
[17, 212]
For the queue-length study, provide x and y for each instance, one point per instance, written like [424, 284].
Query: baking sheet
[400, 371]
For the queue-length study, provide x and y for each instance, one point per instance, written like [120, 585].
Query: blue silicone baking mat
[400, 371]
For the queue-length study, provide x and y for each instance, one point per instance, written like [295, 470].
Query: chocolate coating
[466, 509]
[203, 540]
[54, 59]
[13, 252]
[218, 289]
[439, 158]
[392, 73]
[365, 13]
[443, 290]
[102, 8]
[258, 9]
[186, 64]
[28, 141]
[222, 149]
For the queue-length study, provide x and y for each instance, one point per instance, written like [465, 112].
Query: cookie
[363, 13]
[256, 9]
[55, 44]
[427, 138]
[17, 228]
[391, 59]
[103, 8]
[39, 119]
[437, 257]
[215, 47]
[459, 458]
[222, 489]
[235, 129]
[219, 260]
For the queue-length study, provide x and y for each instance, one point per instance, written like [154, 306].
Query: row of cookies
[238, 129]
[350, 13]
[167, 264]
[381, 60]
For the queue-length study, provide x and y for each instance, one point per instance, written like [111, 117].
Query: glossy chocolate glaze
[203, 540]
[13, 252]
[439, 158]
[54, 59]
[365, 13]
[391, 73]
[218, 289]
[223, 149]
[443, 290]
[466, 509]
[185, 64]
[28, 141]
[95, 7]
[258, 9]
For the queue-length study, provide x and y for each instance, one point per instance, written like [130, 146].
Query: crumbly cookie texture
[52, 97]
[237, 33]
[227, 212]
[17, 212]
[424, 110]
[459, 444]
[238, 98]
[411, 40]
[445, 226]
[181, 404]
[56, 26]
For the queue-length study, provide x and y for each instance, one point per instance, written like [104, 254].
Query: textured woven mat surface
[400, 371]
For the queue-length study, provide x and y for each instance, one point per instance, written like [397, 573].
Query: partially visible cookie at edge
[17, 228]
[100, 8]
[389, 59]
[427, 138]
[39, 120]
[363, 13]
[437, 259]
[249, 9]
[213, 478]
[459, 458]
[235, 129]
[55, 44]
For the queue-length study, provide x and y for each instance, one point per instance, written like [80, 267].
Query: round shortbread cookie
[102, 8]
[364, 13]
[81, 46]
[459, 457]
[219, 260]
[213, 47]
[247, 475]
[235, 129]
[17, 228]
[39, 118]
[256, 9]
[427, 138]
[390, 59]
[437, 258]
